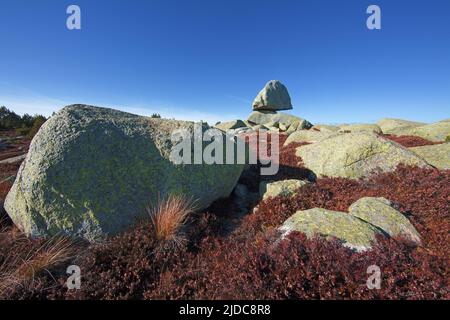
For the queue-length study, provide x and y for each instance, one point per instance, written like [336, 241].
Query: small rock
[351, 231]
[280, 188]
[14, 159]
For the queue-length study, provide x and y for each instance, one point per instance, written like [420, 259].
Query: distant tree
[156, 115]
[27, 120]
[9, 119]
[37, 123]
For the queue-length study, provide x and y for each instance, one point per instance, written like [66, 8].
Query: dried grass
[19, 270]
[168, 216]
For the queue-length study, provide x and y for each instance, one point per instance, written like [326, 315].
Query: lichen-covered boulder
[360, 128]
[266, 117]
[356, 155]
[436, 132]
[229, 125]
[388, 125]
[353, 232]
[437, 155]
[285, 188]
[308, 136]
[91, 172]
[274, 96]
[380, 213]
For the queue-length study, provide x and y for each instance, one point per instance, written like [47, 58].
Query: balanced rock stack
[273, 98]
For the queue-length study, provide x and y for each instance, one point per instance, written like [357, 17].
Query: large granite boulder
[361, 127]
[91, 172]
[380, 213]
[355, 155]
[268, 117]
[437, 155]
[351, 231]
[388, 125]
[274, 96]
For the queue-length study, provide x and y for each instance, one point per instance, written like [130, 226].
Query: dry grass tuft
[168, 216]
[19, 271]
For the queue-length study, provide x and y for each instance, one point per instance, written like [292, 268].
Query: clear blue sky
[192, 59]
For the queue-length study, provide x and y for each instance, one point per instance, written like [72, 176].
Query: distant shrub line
[26, 125]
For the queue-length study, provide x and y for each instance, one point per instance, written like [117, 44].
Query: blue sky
[192, 59]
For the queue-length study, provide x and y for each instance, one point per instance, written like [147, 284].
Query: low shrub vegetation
[219, 258]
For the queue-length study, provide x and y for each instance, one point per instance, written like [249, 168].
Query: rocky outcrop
[356, 155]
[274, 96]
[389, 125]
[437, 155]
[436, 132]
[92, 171]
[367, 218]
[360, 128]
[270, 117]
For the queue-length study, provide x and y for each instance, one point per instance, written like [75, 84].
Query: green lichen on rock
[308, 136]
[280, 188]
[380, 213]
[356, 155]
[390, 125]
[353, 232]
[361, 127]
[92, 171]
[437, 155]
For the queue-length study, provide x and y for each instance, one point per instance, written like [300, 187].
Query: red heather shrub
[409, 141]
[225, 259]
[299, 268]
